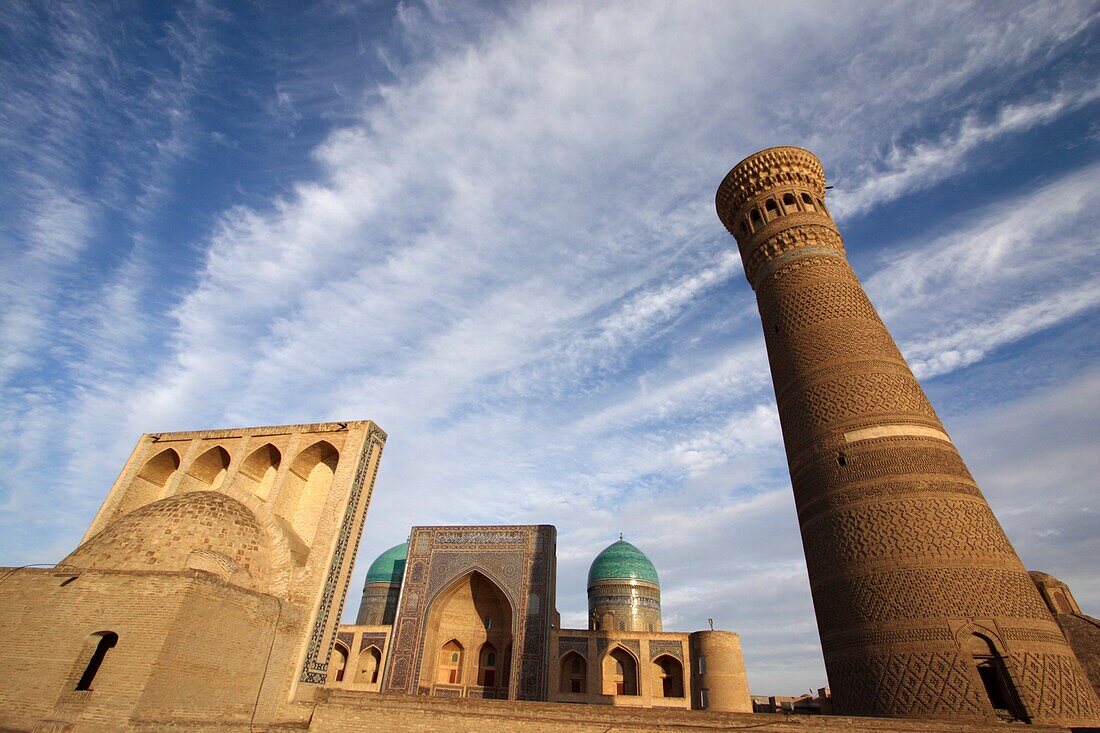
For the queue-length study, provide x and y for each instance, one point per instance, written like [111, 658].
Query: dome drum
[382, 587]
[624, 592]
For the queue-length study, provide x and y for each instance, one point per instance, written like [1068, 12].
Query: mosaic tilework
[315, 670]
[518, 559]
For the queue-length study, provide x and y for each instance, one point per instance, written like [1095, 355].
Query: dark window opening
[107, 641]
[788, 199]
[998, 686]
[754, 217]
[841, 460]
[991, 681]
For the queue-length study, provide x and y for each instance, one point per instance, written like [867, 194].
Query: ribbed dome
[622, 561]
[389, 567]
[203, 530]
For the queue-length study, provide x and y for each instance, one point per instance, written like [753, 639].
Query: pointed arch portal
[468, 635]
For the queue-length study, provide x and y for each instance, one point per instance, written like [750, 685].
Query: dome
[203, 530]
[622, 561]
[389, 567]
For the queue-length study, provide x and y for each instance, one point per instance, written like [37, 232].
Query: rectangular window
[575, 685]
[704, 699]
[702, 664]
[453, 677]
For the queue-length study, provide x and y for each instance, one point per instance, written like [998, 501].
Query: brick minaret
[923, 607]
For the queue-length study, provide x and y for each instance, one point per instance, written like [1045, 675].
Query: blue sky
[490, 228]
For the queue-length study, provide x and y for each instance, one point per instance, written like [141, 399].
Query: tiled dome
[389, 567]
[202, 529]
[622, 561]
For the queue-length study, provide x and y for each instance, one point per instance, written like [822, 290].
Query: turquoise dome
[622, 561]
[390, 565]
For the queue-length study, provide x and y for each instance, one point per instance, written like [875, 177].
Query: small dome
[622, 561]
[390, 565]
[204, 530]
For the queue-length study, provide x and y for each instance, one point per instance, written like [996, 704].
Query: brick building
[469, 612]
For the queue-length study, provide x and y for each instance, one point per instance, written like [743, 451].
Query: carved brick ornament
[901, 546]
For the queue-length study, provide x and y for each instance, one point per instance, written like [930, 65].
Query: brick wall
[347, 711]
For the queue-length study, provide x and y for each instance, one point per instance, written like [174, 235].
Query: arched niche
[148, 486]
[669, 673]
[475, 613]
[369, 666]
[206, 472]
[487, 660]
[620, 672]
[305, 489]
[258, 472]
[450, 663]
[339, 662]
[574, 674]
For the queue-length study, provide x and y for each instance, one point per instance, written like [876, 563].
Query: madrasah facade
[207, 592]
[451, 592]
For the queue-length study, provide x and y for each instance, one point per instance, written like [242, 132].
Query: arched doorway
[670, 676]
[574, 674]
[472, 614]
[995, 679]
[620, 673]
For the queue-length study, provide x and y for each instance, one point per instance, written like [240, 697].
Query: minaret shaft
[923, 606]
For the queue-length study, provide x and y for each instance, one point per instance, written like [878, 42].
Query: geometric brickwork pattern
[625, 606]
[315, 669]
[903, 553]
[604, 643]
[883, 595]
[658, 647]
[843, 537]
[1053, 682]
[875, 469]
[909, 684]
[568, 644]
[519, 560]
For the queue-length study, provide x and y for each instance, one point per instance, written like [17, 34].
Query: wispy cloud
[504, 250]
[920, 165]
